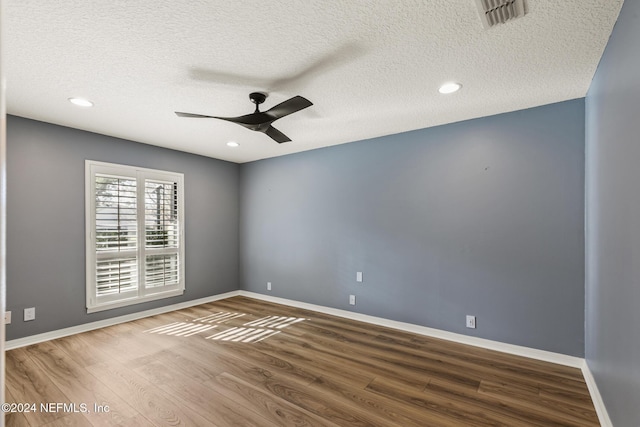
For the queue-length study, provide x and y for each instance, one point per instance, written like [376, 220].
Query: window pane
[115, 276]
[161, 270]
[134, 241]
[161, 214]
[116, 223]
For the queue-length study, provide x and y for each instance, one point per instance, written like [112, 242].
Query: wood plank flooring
[244, 362]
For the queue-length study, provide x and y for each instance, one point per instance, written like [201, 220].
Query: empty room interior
[321, 213]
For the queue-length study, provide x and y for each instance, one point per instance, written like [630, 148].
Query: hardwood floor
[244, 362]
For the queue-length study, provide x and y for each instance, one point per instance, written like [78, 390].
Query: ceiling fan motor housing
[257, 97]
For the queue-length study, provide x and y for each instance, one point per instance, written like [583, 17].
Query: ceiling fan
[260, 121]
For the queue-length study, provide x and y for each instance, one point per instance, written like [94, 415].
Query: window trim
[143, 294]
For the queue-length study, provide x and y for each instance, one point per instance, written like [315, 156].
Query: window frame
[95, 303]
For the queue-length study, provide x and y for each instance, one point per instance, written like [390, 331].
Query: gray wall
[482, 217]
[613, 222]
[46, 228]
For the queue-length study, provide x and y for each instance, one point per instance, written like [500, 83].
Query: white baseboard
[85, 327]
[596, 397]
[547, 356]
[543, 355]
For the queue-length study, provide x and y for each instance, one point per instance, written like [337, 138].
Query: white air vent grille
[494, 12]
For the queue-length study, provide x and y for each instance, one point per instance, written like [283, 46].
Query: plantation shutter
[161, 234]
[135, 241]
[116, 238]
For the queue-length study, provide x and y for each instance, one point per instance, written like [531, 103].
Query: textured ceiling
[371, 68]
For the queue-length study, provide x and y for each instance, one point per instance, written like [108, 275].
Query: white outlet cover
[7, 317]
[29, 314]
[359, 276]
[268, 286]
[471, 322]
[352, 299]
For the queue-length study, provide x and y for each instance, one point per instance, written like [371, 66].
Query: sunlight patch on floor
[180, 329]
[275, 322]
[251, 332]
[221, 317]
[243, 335]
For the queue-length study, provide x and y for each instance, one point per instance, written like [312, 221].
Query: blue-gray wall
[613, 221]
[483, 217]
[46, 227]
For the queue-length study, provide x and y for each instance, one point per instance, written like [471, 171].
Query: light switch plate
[359, 276]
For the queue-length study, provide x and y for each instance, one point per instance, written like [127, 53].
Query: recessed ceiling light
[232, 144]
[81, 102]
[450, 87]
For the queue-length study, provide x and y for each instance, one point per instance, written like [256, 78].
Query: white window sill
[132, 301]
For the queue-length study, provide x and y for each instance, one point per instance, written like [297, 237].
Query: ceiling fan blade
[276, 135]
[197, 116]
[289, 106]
[250, 121]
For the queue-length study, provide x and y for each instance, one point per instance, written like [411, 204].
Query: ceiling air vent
[494, 12]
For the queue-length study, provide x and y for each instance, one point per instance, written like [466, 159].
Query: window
[134, 235]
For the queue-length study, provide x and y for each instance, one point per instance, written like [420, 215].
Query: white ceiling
[371, 68]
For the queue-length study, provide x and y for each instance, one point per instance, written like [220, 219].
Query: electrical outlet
[7, 317]
[29, 314]
[471, 322]
[352, 299]
[268, 286]
[359, 276]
